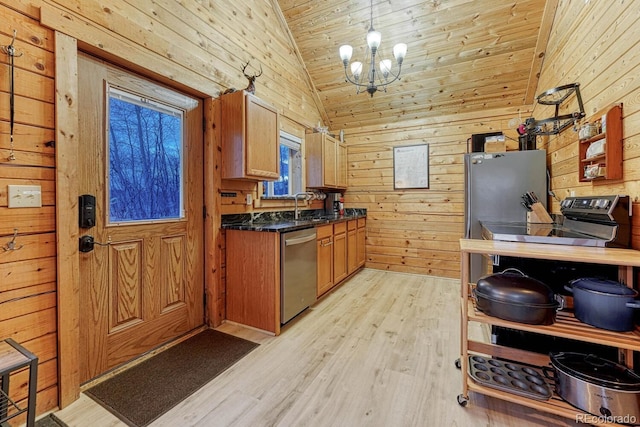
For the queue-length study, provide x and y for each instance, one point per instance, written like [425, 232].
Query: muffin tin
[511, 377]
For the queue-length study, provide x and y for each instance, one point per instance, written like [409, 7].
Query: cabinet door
[361, 241]
[339, 257]
[262, 139]
[325, 265]
[352, 244]
[341, 165]
[329, 161]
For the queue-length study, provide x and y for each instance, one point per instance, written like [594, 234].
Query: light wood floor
[378, 351]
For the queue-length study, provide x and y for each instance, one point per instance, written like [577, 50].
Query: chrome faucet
[307, 196]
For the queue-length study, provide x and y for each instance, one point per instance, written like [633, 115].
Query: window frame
[130, 96]
[294, 143]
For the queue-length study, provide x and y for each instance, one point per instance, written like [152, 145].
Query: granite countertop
[280, 222]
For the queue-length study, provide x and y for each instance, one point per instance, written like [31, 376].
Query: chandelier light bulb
[345, 53]
[356, 69]
[373, 39]
[385, 67]
[400, 51]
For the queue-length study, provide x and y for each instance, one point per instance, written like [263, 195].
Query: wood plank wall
[416, 231]
[28, 275]
[194, 45]
[595, 44]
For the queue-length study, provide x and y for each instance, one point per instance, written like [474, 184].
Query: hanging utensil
[11, 51]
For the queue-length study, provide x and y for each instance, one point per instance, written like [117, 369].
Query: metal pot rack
[557, 123]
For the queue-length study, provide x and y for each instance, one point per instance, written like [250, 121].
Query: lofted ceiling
[463, 55]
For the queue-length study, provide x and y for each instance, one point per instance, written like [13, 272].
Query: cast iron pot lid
[608, 287]
[515, 289]
[596, 370]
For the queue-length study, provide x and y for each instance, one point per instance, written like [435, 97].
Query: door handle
[87, 243]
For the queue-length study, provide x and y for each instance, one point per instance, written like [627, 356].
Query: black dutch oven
[513, 296]
[598, 386]
[605, 304]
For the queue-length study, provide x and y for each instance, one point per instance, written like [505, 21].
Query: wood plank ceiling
[463, 55]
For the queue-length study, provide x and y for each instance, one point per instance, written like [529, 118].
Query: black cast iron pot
[513, 296]
[605, 304]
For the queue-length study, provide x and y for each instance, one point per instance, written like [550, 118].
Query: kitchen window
[290, 181]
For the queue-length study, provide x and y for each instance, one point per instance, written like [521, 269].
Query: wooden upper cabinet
[326, 161]
[250, 138]
[341, 172]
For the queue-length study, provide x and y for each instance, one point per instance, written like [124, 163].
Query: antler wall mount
[251, 87]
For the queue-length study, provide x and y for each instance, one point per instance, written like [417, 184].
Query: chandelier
[376, 78]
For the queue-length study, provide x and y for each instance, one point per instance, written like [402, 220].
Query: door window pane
[145, 157]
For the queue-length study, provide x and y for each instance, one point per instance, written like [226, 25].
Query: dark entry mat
[144, 392]
[50, 420]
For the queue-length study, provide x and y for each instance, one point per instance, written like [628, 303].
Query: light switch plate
[24, 196]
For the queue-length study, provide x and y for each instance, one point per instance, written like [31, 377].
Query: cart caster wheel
[462, 401]
[458, 364]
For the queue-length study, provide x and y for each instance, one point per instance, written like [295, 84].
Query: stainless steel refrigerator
[494, 185]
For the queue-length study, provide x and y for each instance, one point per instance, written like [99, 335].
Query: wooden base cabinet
[566, 325]
[352, 246]
[253, 279]
[339, 252]
[324, 237]
[361, 241]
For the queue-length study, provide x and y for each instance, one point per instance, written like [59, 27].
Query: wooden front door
[141, 156]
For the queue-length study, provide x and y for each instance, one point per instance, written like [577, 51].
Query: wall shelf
[610, 161]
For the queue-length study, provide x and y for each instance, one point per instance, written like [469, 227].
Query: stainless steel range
[600, 221]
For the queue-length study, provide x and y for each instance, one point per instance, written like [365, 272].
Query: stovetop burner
[601, 221]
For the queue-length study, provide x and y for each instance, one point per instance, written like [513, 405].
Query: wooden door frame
[68, 232]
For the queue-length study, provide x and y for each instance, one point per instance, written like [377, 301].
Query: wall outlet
[24, 196]
[572, 193]
[249, 199]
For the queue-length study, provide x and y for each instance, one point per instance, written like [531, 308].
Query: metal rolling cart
[14, 357]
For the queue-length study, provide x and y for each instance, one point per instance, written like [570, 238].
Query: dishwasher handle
[299, 240]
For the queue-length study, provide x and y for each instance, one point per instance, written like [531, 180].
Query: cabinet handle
[327, 243]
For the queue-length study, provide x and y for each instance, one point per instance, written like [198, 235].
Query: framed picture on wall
[411, 167]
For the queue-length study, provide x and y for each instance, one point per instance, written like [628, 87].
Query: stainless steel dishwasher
[297, 272]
